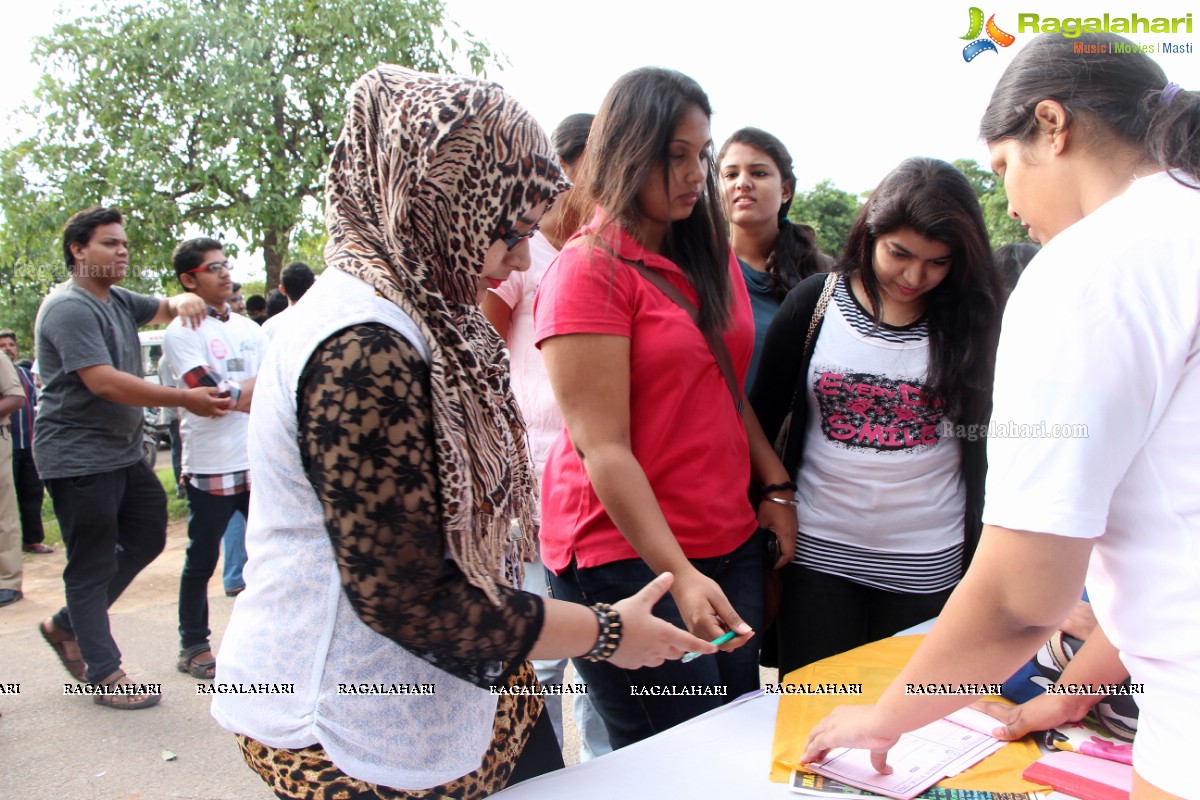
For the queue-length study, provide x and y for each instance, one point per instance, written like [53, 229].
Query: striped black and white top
[882, 500]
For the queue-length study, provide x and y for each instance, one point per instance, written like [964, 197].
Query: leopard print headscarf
[428, 172]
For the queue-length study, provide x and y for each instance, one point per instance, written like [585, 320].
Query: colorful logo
[995, 36]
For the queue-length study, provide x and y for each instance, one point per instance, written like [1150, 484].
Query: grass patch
[176, 507]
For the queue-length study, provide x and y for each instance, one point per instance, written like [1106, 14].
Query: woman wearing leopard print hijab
[389, 458]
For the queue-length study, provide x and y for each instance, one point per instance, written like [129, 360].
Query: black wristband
[790, 486]
[609, 637]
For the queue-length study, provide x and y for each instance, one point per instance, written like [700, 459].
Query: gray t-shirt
[78, 433]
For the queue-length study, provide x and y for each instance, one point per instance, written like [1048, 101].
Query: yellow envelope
[875, 665]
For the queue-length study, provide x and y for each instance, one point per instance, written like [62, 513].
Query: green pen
[720, 640]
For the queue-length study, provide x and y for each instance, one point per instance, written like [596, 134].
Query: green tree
[830, 211]
[308, 243]
[217, 114]
[30, 264]
[993, 201]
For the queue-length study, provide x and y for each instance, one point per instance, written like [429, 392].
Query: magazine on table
[919, 759]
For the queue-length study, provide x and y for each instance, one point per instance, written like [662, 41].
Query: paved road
[56, 747]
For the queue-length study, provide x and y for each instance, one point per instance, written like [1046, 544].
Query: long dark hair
[629, 141]
[795, 255]
[570, 141]
[1123, 95]
[936, 201]
[571, 137]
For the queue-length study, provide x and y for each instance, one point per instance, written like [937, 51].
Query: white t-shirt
[271, 324]
[530, 383]
[882, 497]
[233, 350]
[1101, 336]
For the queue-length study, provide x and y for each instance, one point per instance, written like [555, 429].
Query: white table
[723, 754]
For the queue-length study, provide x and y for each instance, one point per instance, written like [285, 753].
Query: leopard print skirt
[308, 774]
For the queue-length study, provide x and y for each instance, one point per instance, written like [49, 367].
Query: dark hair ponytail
[794, 258]
[1173, 140]
[795, 255]
[1122, 95]
[571, 135]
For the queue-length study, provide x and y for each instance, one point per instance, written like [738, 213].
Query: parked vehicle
[157, 434]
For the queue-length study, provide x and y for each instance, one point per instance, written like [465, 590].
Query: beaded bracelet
[790, 486]
[609, 637]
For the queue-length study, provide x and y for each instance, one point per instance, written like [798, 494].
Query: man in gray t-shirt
[87, 443]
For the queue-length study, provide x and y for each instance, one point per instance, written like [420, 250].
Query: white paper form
[919, 759]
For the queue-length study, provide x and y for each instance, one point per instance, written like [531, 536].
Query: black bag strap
[715, 343]
[784, 435]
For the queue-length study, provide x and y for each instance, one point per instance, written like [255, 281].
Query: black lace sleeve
[366, 441]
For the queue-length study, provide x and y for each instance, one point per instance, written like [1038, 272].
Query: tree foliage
[830, 211]
[1002, 229]
[216, 115]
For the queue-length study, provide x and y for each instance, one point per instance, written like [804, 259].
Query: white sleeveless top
[294, 624]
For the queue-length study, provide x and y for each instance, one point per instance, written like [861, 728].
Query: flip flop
[66, 648]
[38, 547]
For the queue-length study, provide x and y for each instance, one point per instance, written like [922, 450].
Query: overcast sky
[852, 87]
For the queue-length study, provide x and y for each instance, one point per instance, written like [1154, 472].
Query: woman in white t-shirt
[1099, 372]
[900, 367]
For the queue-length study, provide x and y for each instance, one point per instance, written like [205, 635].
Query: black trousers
[113, 524]
[822, 615]
[29, 496]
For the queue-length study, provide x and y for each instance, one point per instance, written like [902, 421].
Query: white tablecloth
[724, 754]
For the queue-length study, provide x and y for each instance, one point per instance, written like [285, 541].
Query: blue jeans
[113, 524]
[235, 552]
[208, 516]
[630, 718]
[593, 737]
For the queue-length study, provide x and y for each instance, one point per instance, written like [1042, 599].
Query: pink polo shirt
[685, 431]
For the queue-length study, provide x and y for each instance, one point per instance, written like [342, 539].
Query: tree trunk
[275, 247]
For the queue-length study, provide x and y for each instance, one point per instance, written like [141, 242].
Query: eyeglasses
[212, 266]
[512, 239]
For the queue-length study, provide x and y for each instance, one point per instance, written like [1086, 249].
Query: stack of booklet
[1085, 763]
[812, 785]
[918, 760]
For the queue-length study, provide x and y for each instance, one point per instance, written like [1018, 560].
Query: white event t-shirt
[234, 351]
[1100, 336]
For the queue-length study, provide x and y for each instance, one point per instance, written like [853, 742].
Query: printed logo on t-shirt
[217, 348]
[871, 412]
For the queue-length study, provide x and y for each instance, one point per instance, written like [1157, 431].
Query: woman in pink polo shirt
[651, 474]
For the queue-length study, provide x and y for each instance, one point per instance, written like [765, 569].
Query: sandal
[65, 647]
[38, 547]
[191, 663]
[125, 699]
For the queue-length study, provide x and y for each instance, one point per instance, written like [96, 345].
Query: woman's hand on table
[706, 611]
[850, 726]
[1042, 713]
[648, 641]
